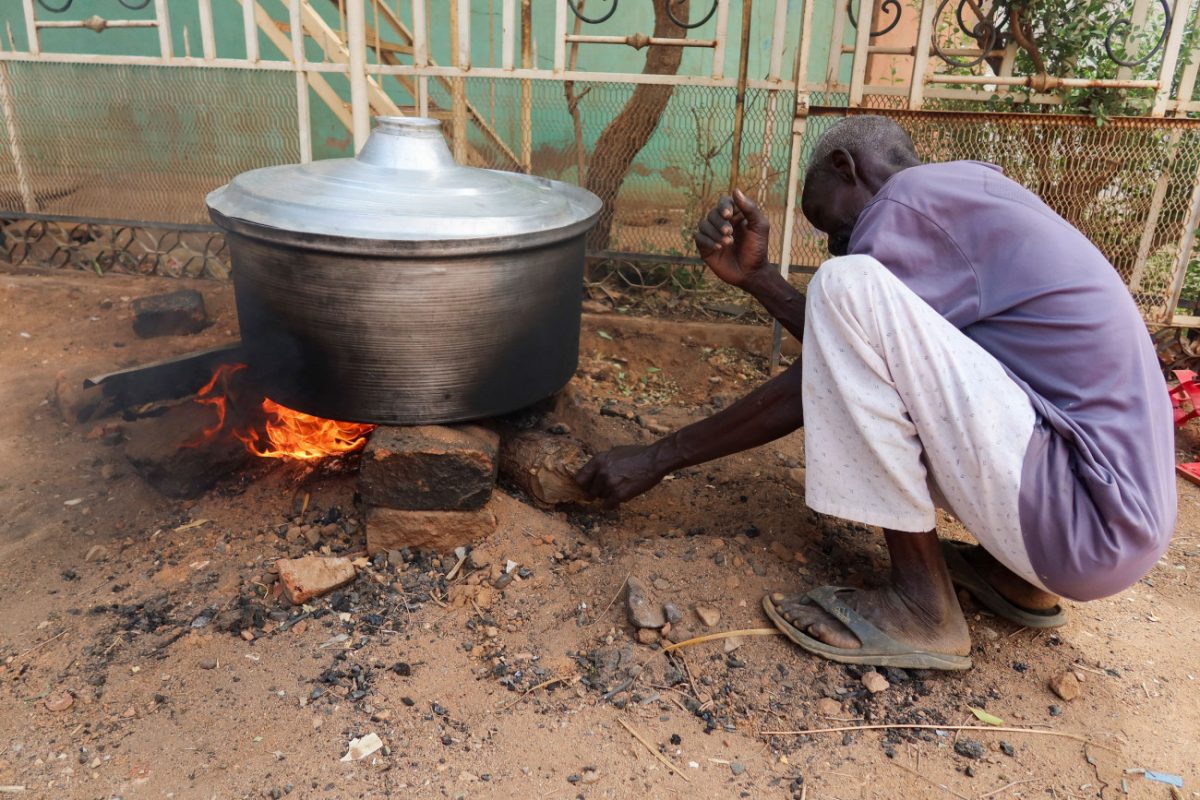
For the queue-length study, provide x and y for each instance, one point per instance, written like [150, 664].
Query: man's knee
[841, 280]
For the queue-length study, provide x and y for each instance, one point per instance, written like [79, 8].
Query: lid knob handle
[408, 143]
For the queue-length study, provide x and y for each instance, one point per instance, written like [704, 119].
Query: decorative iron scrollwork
[888, 7]
[1122, 27]
[691, 25]
[996, 27]
[65, 5]
[596, 20]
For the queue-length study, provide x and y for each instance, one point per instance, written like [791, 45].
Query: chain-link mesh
[147, 143]
[682, 169]
[141, 142]
[1126, 184]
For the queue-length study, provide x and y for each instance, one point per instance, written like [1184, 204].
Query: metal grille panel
[141, 143]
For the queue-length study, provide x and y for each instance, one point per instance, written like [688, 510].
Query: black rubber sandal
[967, 577]
[878, 649]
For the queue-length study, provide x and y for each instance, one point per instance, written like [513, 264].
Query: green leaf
[985, 717]
[604, 335]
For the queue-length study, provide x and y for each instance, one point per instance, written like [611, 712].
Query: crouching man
[965, 347]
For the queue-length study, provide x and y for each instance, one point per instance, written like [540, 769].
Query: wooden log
[544, 466]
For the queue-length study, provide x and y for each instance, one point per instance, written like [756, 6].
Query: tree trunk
[628, 133]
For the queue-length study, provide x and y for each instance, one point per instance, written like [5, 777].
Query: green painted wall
[694, 114]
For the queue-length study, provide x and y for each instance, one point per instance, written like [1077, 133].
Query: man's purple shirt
[1097, 497]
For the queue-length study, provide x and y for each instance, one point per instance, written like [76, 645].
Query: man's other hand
[621, 474]
[732, 239]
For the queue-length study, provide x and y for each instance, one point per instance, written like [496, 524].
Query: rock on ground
[708, 615]
[392, 529]
[173, 314]
[644, 612]
[1066, 686]
[875, 682]
[172, 454]
[312, 576]
[429, 468]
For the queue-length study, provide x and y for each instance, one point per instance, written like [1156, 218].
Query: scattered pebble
[673, 614]
[969, 748]
[875, 682]
[362, 747]
[643, 611]
[59, 701]
[647, 635]
[208, 663]
[708, 615]
[737, 768]
[1066, 686]
[828, 707]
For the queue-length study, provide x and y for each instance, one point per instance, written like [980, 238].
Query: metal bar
[916, 87]
[1185, 249]
[464, 34]
[1156, 204]
[833, 72]
[356, 35]
[638, 41]
[560, 36]
[901, 50]
[526, 86]
[858, 71]
[721, 35]
[778, 40]
[108, 23]
[739, 108]
[1137, 18]
[458, 97]
[1187, 81]
[163, 21]
[24, 185]
[799, 121]
[208, 42]
[1170, 57]
[251, 26]
[789, 224]
[31, 30]
[1033, 80]
[159, 61]
[420, 34]
[303, 119]
[508, 34]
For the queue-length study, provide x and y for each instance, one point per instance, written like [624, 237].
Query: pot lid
[403, 186]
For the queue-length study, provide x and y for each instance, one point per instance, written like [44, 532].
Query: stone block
[394, 529]
[312, 576]
[429, 468]
[176, 313]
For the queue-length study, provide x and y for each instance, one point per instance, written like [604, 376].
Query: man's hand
[621, 474]
[732, 239]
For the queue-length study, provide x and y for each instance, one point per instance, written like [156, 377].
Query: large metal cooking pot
[399, 287]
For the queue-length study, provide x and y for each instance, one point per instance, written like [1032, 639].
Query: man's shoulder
[940, 176]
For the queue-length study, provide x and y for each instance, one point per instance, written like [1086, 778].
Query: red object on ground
[1187, 393]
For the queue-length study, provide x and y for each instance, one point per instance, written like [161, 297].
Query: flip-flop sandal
[878, 649]
[967, 577]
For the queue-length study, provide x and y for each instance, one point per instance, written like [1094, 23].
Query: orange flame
[294, 434]
[286, 433]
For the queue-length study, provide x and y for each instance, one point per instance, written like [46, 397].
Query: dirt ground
[130, 608]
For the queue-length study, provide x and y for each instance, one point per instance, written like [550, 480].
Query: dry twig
[530, 691]
[1006, 786]
[620, 589]
[653, 751]
[709, 637]
[37, 647]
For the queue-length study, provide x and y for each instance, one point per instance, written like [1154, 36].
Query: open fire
[272, 430]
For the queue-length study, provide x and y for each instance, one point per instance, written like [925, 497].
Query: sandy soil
[133, 605]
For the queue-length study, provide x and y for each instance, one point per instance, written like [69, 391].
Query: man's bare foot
[1008, 584]
[917, 607]
[935, 626]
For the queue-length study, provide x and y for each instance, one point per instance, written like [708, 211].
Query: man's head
[851, 162]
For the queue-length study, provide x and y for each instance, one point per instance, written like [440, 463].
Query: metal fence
[105, 157]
